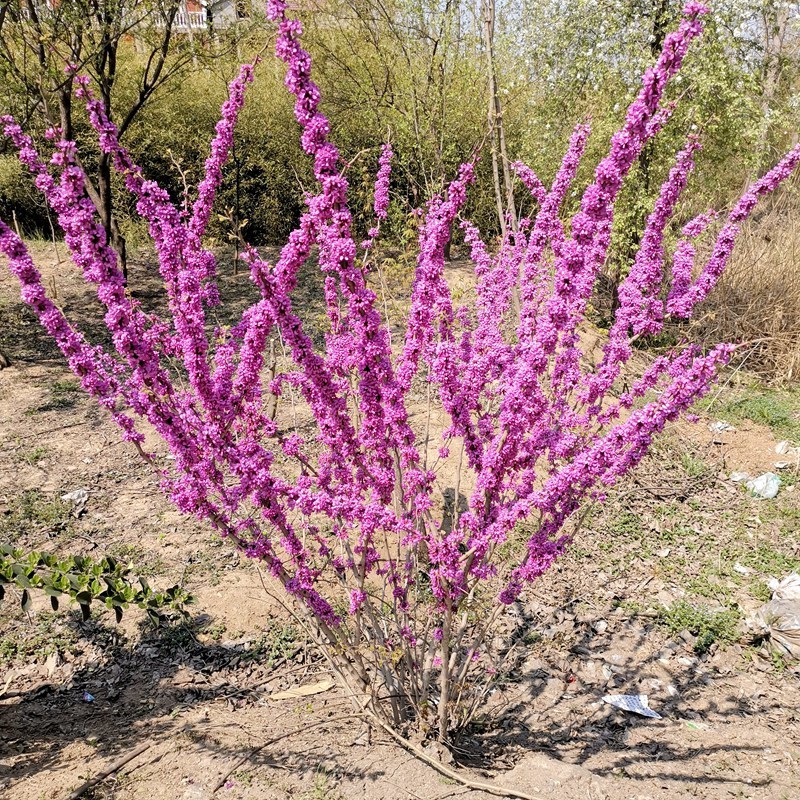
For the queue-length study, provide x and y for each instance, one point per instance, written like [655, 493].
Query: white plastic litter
[778, 623]
[635, 703]
[77, 497]
[786, 589]
[785, 448]
[765, 486]
[738, 477]
[721, 426]
[741, 569]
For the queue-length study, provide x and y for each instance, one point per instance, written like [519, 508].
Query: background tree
[43, 46]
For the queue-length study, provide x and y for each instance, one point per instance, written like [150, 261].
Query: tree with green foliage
[128, 47]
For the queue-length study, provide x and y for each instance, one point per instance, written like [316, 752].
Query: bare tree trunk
[92, 36]
[488, 33]
[506, 210]
[104, 202]
[776, 23]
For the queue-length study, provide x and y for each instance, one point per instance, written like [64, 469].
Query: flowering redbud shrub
[402, 594]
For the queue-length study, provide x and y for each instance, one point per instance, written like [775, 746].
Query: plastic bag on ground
[636, 703]
[778, 622]
[786, 589]
[765, 486]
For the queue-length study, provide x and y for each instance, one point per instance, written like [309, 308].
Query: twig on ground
[50, 430]
[481, 786]
[109, 770]
[273, 674]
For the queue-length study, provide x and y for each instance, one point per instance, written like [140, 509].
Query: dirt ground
[649, 600]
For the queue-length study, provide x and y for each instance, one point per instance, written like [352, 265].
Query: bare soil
[677, 532]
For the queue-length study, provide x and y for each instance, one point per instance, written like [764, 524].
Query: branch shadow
[533, 691]
[135, 692]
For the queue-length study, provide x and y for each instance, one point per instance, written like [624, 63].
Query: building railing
[184, 20]
[190, 20]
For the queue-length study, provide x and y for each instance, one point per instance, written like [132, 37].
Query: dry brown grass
[758, 297]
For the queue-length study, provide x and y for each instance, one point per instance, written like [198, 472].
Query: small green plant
[50, 632]
[626, 524]
[214, 630]
[706, 584]
[86, 581]
[778, 661]
[34, 456]
[31, 511]
[243, 778]
[65, 387]
[321, 790]
[144, 562]
[768, 560]
[275, 643]
[761, 591]
[693, 465]
[63, 394]
[631, 607]
[708, 626]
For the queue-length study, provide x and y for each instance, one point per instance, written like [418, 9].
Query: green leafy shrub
[86, 581]
[721, 627]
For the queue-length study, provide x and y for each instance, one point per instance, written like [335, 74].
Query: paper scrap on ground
[785, 448]
[304, 691]
[636, 703]
[76, 496]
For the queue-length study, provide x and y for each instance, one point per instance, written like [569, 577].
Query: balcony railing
[184, 20]
[190, 20]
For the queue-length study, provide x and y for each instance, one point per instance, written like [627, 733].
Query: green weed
[49, 632]
[693, 465]
[35, 455]
[625, 524]
[276, 642]
[766, 559]
[321, 790]
[147, 563]
[779, 410]
[62, 394]
[708, 626]
[761, 591]
[34, 510]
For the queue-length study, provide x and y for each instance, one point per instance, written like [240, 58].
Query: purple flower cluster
[346, 517]
[380, 203]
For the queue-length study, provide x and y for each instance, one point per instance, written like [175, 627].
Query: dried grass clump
[757, 299]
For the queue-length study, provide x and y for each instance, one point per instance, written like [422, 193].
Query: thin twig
[728, 381]
[110, 770]
[480, 786]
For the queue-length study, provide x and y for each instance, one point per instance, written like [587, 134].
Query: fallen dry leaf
[304, 691]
